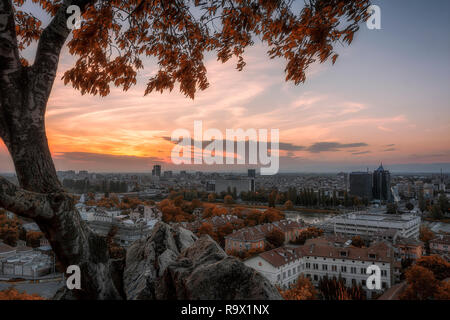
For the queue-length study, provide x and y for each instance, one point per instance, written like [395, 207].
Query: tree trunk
[24, 92]
[72, 241]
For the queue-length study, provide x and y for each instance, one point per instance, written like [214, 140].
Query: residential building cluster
[255, 237]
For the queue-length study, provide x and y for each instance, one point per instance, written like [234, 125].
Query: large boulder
[147, 259]
[175, 264]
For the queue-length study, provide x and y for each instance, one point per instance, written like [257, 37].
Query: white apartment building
[23, 261]
[368, 225]
[319, 258]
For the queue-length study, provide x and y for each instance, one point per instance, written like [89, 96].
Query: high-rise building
[167, 174]
[156, 170]
[382, 184]
[252, 175]
[361, 184]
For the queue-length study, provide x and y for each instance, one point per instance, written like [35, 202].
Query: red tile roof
[259, 232]
[379, 252]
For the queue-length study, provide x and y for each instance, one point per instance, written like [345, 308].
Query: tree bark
[24, 93]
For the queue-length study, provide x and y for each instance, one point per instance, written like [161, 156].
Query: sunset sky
[386, 99]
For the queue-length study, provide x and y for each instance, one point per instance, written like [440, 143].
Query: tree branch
[9, 52]
[54, 36]
[24, 203]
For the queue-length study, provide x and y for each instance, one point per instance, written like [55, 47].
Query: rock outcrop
[175, 264]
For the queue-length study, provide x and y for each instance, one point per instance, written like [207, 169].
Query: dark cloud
[362, 152]
[333, 146]
[389, 149]
[283, 146]
[390, 145]
[290, 147]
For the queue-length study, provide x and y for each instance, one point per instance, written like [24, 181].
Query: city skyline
[384, 100]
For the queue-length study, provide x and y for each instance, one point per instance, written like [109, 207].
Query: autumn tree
[437, 265]
[110, 45]
[10, 229]
[114, 249]
[303, 289]
[335, 289]
[425, 235]
[206, 228]
[308, 233]
[275, 237]
[422, 285]
[13, 294]
[212, 197]
[195, 203]
[427, 280]
[288, 205]
[33, 238]
[357, 241]
[228, 200]
[223, 231]
[178, 201]
[272, 215]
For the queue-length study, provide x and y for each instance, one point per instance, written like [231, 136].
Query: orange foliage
[357, 241]
[9, 229]
[33, 238]
[175, 214]
[245, 254]
[228, 200]
[426, 280]
[206, 228]
[288, 205]
[168, 32]
[12, 294]
[426, 234]
[308, 233]
[437, 265]
[302, 290]
[212, 211]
